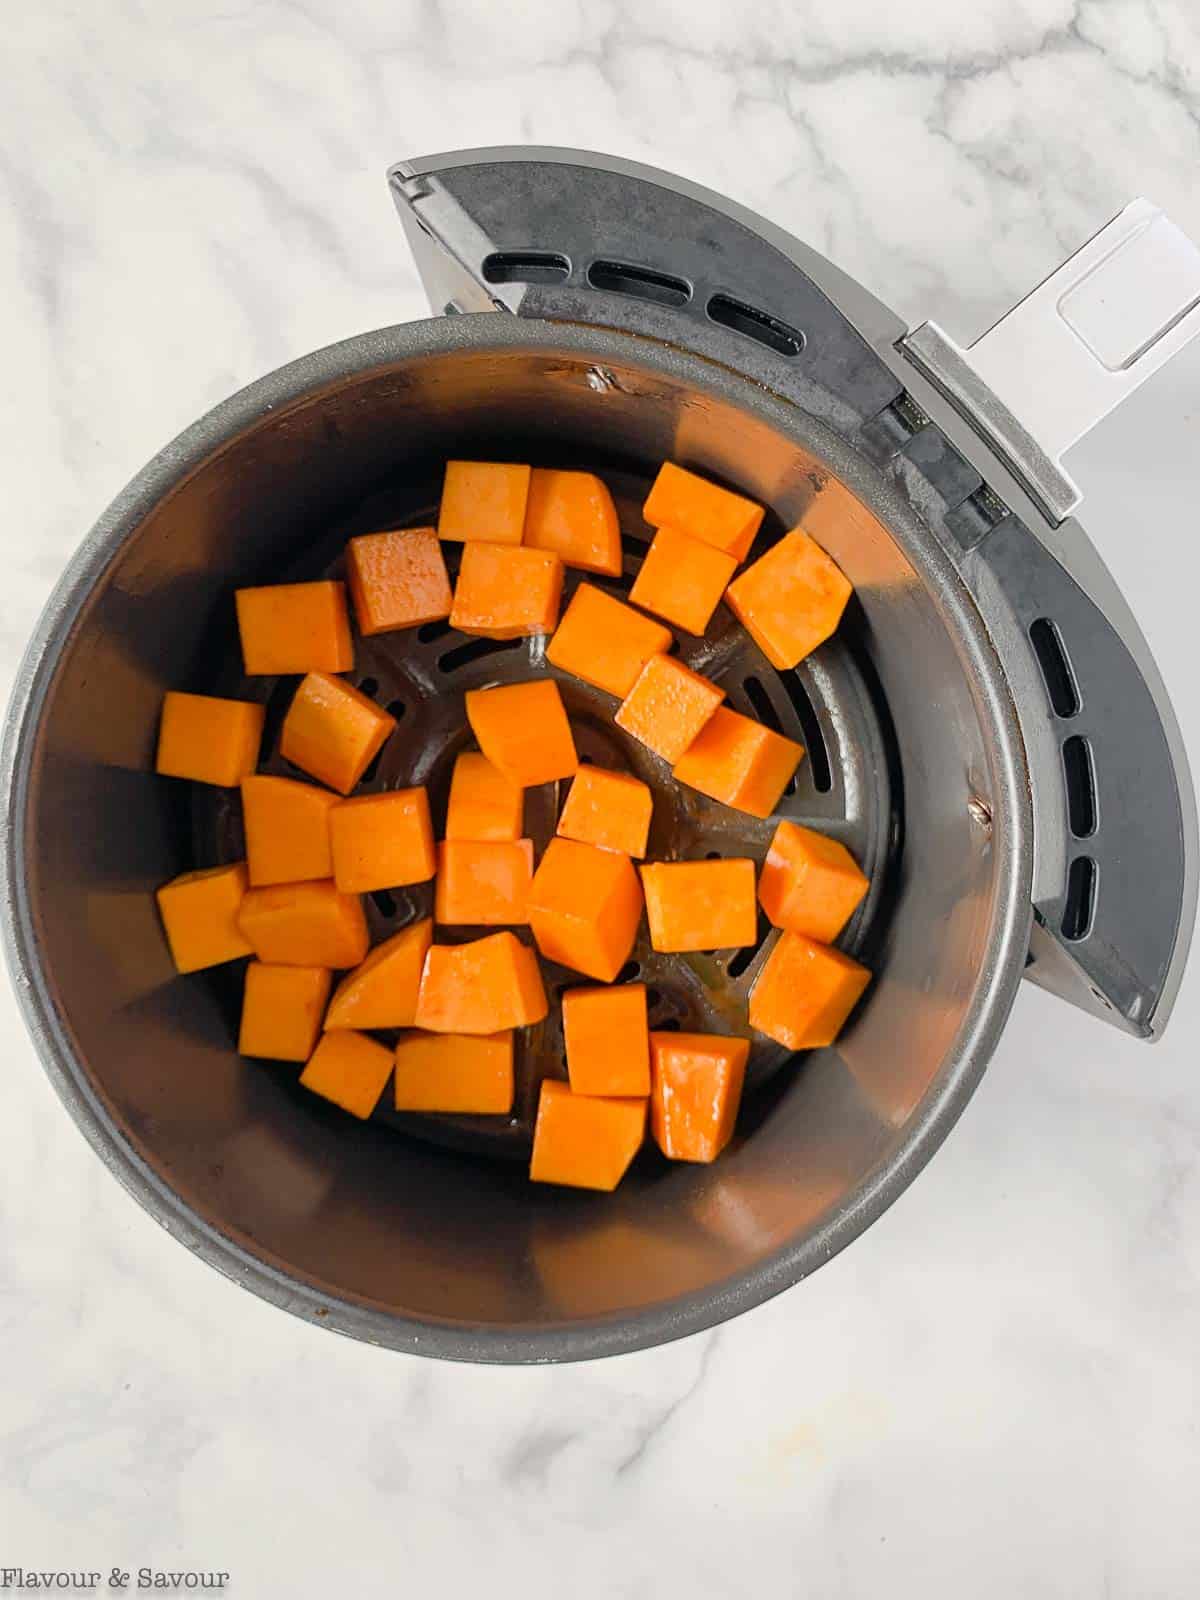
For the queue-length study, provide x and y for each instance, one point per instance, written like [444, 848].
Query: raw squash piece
[382, 841]
[582, 1140]
[485, 986]
[200, 913]
[349, 1069]
[483, 500]
[805, 992]
[332, 731]
[584, 908]
[739, 762]
[608, 809]
[397, 579]
[281, 1011]
[523, 730]
[668, 706]
[287, 830]
[484, 804]
[810, 883]
[483, 882]
[382, 991]
[682, 499]
[295, 627]
[607, 1039]
[790, 600]
[572, 514]
[207, 739]
[682, 579]
[700, 905]
[504, 593]
[605, 642]
[305, 925]
[697, 1088]
[467, 1073]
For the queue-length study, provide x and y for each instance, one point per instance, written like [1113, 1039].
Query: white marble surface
[994, 1393]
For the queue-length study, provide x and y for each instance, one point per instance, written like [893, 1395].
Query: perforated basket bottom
[421, 675]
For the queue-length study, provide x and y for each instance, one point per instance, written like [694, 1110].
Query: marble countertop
[994, 1392]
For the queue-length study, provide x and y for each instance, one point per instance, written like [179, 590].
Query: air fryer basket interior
[364, 1218]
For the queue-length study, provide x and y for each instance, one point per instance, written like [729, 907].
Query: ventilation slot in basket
[1081, 898]
[1081, 786]
[475, 650]
[812, 738]
[1056, 668]
[640, 282]
[525, 266]
[755, 324]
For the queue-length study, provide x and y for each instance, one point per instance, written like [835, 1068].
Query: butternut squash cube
[295, 627]
[207, 739]
[287, 830]
[349, 1069]
[304, 925]
[682, 579]
[281, 1011]
[790, 600]
[810, 883]
[805, 992]
[608, 1040]
[684, 500]
[200, 912]
[584, 908]
[605, 642]
[382, 841]
[700, 905]
[522, 729]
[333, 732]
[397, 579]
[572, 514]
[382, 991]
[739, 762]
[697, 1088]
[483, 500]
[484, 804]
[483, 882]
[455, 1072]
[609, 809]
[668, 706]
[506, 593]
[485, 986]
[584, 1141]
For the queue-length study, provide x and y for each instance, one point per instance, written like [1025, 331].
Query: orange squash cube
[668, 706]
[682, 579]
[304, 925]
[609, 809]
[287, 830]
[739, 762]
[605, 642]
[281, 1011]
[382, 841]
[504, 593]
[790, 600]
[333, 732]
[397, 579]
[810, 883]
[572, 514]
[484, 804]
[485, 986]
[459, 1072]
[582, 1140]
[697, 1088]
[608, 1040]
[483, 500]
[382, 991]
[483, 882]
[584, 908]
[349, 1069]
[684, 500]
[294, 627]
[200, 912]
[700, 905]
[523, 730]
[207, 739]
[805, 992]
